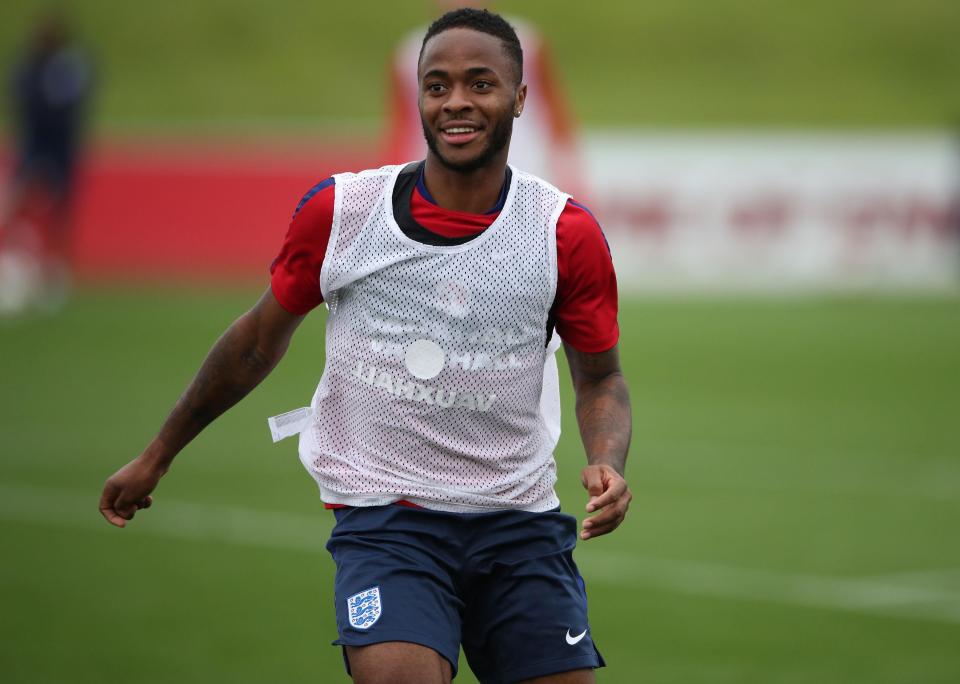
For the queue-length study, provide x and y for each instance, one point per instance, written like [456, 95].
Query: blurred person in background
[545, 143]
[49, 90]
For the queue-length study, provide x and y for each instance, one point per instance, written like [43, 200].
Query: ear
[520, 99]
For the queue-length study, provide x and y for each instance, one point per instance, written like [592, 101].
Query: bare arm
[243, 356]
[604, 418]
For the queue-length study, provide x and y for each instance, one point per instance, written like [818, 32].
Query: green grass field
[796, 470]
[245, 66]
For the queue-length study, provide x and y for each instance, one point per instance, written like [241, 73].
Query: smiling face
[469, 96]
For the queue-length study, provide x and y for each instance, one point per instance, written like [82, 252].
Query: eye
[483, 85]
[435, 88]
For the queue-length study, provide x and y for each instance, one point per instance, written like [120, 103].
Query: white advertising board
[778, 211]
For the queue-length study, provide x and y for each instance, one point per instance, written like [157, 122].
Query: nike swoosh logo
[575, 639]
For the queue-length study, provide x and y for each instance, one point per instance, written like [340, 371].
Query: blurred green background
[248, 66]
[795, 471]
[796, 464]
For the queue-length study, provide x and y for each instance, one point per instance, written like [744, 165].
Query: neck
[472, 192]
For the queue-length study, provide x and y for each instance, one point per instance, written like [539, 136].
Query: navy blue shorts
[502, 584]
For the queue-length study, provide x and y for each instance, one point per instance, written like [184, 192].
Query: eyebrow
[472, 71]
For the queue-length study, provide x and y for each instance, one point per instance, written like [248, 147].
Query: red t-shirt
[584, 308]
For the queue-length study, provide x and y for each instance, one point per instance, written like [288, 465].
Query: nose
[458, 100]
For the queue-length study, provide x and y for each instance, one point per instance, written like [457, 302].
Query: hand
[128, 490]
[608, 494]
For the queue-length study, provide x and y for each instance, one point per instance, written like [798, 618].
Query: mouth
[459, 133]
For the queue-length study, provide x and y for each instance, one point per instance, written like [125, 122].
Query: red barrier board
[182, 210]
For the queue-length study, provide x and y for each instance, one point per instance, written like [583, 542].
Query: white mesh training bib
[439, 387]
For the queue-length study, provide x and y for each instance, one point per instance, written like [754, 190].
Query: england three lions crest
[364, 608]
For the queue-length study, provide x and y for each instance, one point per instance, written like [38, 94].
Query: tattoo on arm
[238, 361]
[603, 406]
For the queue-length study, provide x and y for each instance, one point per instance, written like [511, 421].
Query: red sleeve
[585, 306]
[295, 273]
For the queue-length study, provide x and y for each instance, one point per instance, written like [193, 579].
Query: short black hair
[483, 21]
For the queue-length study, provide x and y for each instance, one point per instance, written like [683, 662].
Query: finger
[608, 520]
[595, 528]
[590, 533]
[145, 502]
[107, 496]
[111, 516]
[124, 508]
[615, 489]
[607, 515]
[592, 479]
[106, 505]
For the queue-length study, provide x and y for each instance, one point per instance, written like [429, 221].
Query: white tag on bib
[289, 423]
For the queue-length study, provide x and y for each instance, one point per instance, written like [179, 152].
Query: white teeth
[460, 130]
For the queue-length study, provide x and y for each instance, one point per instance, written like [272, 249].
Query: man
[432, 430]
[51, 86]
[545, 141]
